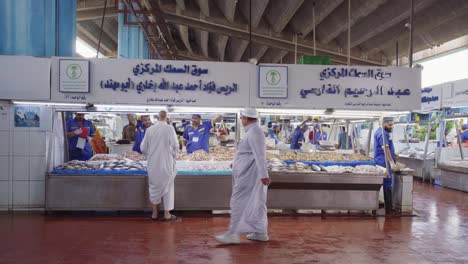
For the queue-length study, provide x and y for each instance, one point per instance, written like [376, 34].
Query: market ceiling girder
[184, 55]
[90, 13]
[426, 21]
[161, 29]
[184, 35]
[258, 8]
[107, 45]
[236, 48]
[257, 52]
[304, 47]
[302, 22]
[337, 21]
[388, 15]
[440, 35]
[228, 8]
[280, 12]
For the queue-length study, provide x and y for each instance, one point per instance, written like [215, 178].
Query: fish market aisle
[438, 234]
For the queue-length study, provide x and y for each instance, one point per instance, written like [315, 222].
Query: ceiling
[218, 30]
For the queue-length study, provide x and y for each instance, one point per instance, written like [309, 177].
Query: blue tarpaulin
[352, 163]
[135, 172]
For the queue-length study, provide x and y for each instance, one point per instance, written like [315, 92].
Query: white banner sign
[455, 93]
[343, 87]
[431, 98]
[159, 82]
[24, 78]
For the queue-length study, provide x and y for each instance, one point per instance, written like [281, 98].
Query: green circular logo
[273, 77]
[74, 71]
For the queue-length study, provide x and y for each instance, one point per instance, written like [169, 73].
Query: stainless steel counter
[419, 166]
[453, 175]
[320, 191]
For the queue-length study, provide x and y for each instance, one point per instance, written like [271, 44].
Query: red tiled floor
[439, 234]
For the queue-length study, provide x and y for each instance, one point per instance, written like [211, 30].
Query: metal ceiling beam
[257, 52]
[336, 22]
[221, 43]
[241, 32]
[94, 31]
[184, 36]
[161, 29]
[109, 29]
[279, 56]
[386, 16]
[258, 8]
[181, 4]
[440, 35]
[425, 22]
[91, 40]
[190, 56]
[445, 48]
[201, 37]
[228, 8]
[90, 13]
[236, 48]
[204, 7]
[280, 12]
[302, 22]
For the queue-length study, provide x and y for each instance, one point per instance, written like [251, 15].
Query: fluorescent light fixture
[184, 109]
[48, 103]
[128, 108]
[85, 50]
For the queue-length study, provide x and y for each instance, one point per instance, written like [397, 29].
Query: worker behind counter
[197, 135]
[146, 123]
[297, 137]
[383, 143]
[129, 131]
[273, 131]
[464, 134]
[79, 133]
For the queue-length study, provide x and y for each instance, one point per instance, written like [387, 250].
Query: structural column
[132, 42]
[38, 27]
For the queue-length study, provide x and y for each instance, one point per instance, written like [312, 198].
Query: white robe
[248, 200]
[160, 146]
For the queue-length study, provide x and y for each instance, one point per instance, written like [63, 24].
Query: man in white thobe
[160, 146]
[249, 185]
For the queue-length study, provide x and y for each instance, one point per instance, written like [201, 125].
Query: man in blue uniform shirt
[297, 136]
[197, 135]
[273, 131]
[383, 143]
[464, 133]
[146, 123]
[79, 133]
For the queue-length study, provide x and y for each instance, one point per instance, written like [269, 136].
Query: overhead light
[48, 103]
[184, 109]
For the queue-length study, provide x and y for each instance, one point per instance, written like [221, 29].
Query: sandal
[172, 218]
[154, 219]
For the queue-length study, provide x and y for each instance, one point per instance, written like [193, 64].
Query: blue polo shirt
[198, 138]
[139, 138]
[296, 137]
[379, 155]
[75, 153]
[319, 136]
[464, 136]
[273, 134]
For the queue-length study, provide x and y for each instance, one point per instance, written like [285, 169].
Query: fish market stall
[453, 175]
[203, 182]
[422, 165]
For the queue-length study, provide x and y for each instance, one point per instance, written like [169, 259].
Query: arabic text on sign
[151, 69]
[335, 89]
[338, 72]
[142, 86]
